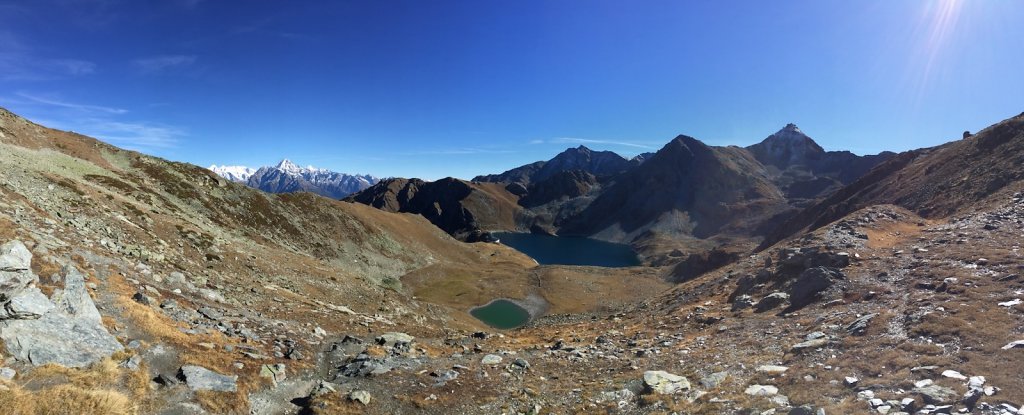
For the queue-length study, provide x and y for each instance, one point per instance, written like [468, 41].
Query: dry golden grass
[103, 388]
[66, 399]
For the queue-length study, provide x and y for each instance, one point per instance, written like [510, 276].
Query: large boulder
[771, 301]
[936, 395]
[69, 332]
[811, 283]
[26, 305]
[15, 270]
[664, 383]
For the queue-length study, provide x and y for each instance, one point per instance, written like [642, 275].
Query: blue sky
[459, 88]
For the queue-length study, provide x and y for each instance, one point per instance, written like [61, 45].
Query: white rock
[952, 374]
[772, 369]
[761, 390]
[360, 396]
[491, 360]
[664, 383]
[1019, 344]
[1011, 303]
[923, 383]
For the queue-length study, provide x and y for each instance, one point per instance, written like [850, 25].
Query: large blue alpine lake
[559, 250]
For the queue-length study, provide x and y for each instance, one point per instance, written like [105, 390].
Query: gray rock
[742, 302]
[811, 283]
[860, 325]
[276, 373]
[360, 396]
[935, 394]
[14, 257]
[664, 383]
[70, 334]
[394, 339]
[621, 397]
[176, 279]
[132, 363]
[761, 390]
[491, 360]
[772, 370]
[202, 379]
[26, 305]
[15, 270]
[801, 410]
[713, 380]
[809, 344]
[7, 373]
[771, 301]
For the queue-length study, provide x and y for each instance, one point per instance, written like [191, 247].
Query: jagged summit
[286, 164]
[233, 173]
[288, 177]
[789, 146]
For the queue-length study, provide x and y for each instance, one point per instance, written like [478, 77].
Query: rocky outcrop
[460, 208]
[561, 185]
[65, 329]
[699, 263]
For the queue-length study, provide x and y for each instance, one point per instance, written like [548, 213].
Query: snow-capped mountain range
[288, 177]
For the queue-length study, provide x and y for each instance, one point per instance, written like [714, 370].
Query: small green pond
[501, 314]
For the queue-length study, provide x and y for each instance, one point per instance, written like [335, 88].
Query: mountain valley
[776, 278]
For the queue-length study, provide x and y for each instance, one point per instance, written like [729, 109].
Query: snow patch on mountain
[287, 177]
[234, 173]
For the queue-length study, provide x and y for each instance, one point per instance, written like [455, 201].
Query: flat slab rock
[199, 378]
[664, 383]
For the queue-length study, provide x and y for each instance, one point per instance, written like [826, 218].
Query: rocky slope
[686, 188]
[458, 207]
[197, 295]
[933, 182]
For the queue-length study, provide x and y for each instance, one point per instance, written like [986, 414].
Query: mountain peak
[790, 131]
[286, 164]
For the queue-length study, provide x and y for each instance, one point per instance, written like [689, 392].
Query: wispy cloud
[102, 122]
[574, 140]
[70, 105]
[19, 63]
[157, 64]
[139, 136]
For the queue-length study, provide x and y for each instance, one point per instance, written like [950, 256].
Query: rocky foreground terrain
[130, 284]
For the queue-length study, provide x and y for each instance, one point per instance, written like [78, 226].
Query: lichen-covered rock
[664, 383]
[70, 333]
[28, 304]
[15, 270]
[199, 378]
